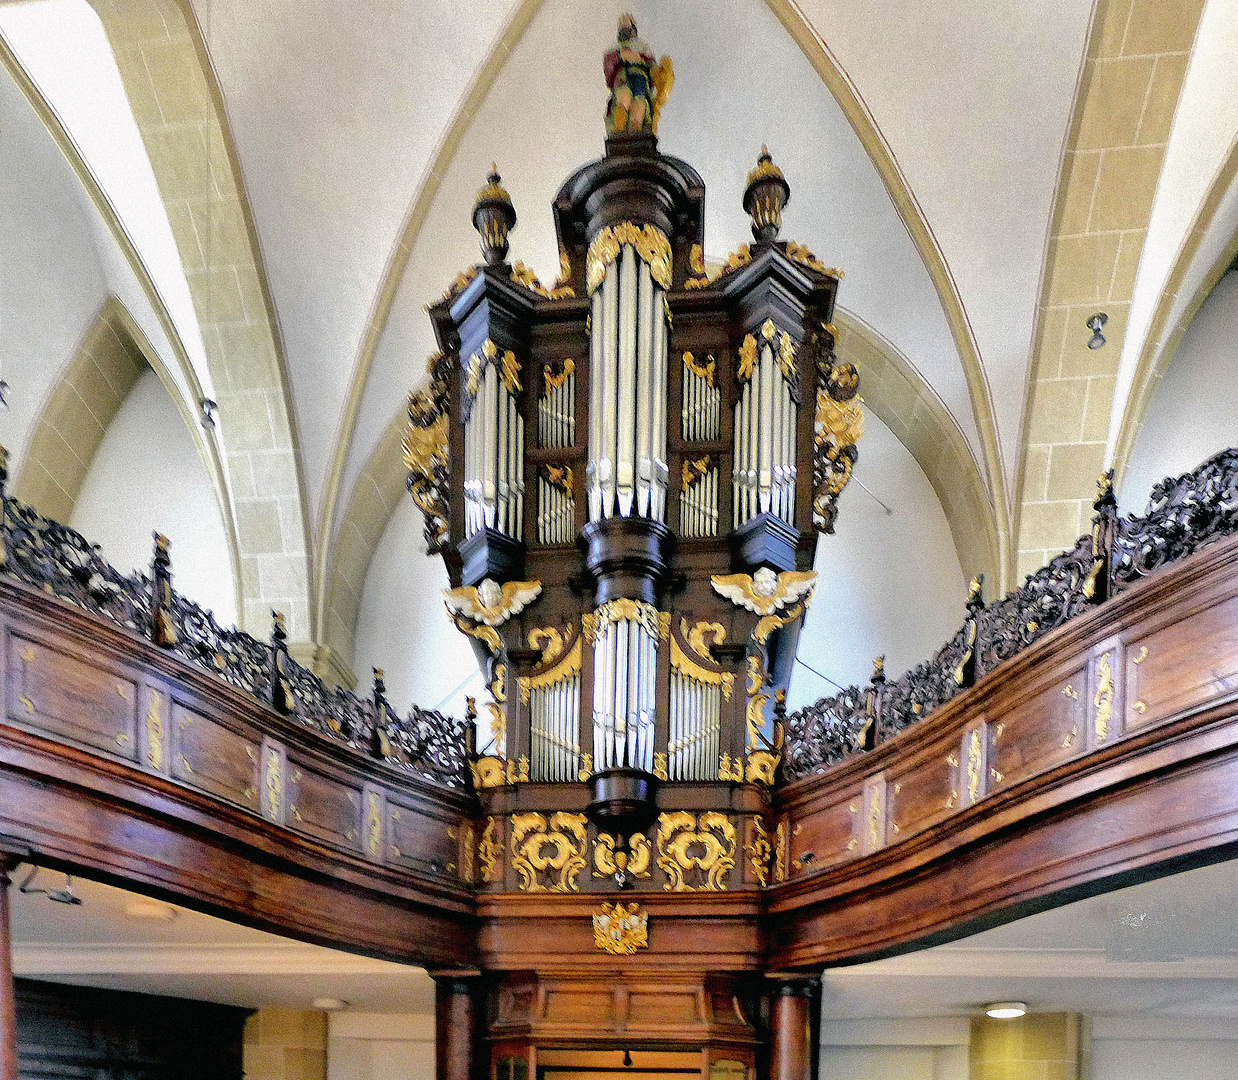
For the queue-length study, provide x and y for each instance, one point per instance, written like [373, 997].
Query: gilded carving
[747, 358]
[765, 591]
[800, 254]
[490, 850]
[466, 838]
[490, 603]
[782, 850]
[549, 854]
[567, 667]
[759, 851]
[703, 371]
[737, 259]
[731, 768]
[697, 853]
[769, 623]
[555, 375]
[635, 861]
[756, 702]
[876, 825]
[694, 470]
[614, 611]
[651, 244]
[660, 766]
[621, 929]
[1104, 698]
[687, 664]
[586, 767]
[518, 770]
[524, 275]
[762, 765]
[273, 783]
[489, 771]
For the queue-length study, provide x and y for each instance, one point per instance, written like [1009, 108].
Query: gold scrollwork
[759, 851]
[767, 624]
[747, 359]
[695, 469]
[697, 853]
[763, 765]
[524, 275]
[686, 664]
[586, 767]
[565, 668]
[623, 608]
[800, 254]
[555, 375]
[518, 770]
[651, 245]
[660, 766]
[1104, 698]
[875, 816]
[739, 258]
[273, 783]
[756, 701]
[489, 771]
[840, 423]
[490, 850]
[621, 929]
[731, 768]
[635, 861]
[782, 851]
[701, 371]
[466, 853]
[549, 854]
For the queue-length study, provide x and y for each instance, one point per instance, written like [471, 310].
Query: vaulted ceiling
[272, 193]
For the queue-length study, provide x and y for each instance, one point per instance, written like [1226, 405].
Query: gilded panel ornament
[1103, 701]
[465, 838]
[759, 851]
[660, 766]
[621, 929]
[548, 854]
[876, 823]
[765, 591]
[762, 765]
[747, 359]
[518, 770]
[686, 664]
[490, 850]
[694, 470]
[374, 824]
[767, 624]
[273, 783]
[635, 861]
[524, 275]
[757, 700]
[490, 603]
[154, 732]
[586, 767]
[697, 853]
[696, 266]
[650, 242]
[731, 769]
[974, 764]
[782, 851]
[426, 449]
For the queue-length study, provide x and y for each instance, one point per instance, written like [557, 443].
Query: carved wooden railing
[59, 560]
[1185, 514]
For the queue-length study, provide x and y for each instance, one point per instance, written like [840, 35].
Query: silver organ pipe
[494, 444]
[627, 472]
[556, 506]
[698, 499]
[764, 469]
[701, 415]
[556, 409]
[625, 652]
[553, 698]
[694, 724]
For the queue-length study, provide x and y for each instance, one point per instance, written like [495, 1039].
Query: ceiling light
[1095, 324]
[1005, 1010]
[150, 910]
[329, 1004]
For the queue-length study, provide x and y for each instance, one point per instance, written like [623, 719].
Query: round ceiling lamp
[1005, 1010]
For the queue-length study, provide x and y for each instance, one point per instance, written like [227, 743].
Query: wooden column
[455, 1028]
[793, 1023]
[8, 997]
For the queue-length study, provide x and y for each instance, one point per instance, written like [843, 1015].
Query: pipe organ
[635, 607]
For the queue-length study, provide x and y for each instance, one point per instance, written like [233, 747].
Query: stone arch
[81, 405]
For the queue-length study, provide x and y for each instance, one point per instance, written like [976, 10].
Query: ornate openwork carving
[621, 929]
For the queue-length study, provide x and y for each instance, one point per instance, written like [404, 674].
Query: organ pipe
[766, 417]
[494, 444]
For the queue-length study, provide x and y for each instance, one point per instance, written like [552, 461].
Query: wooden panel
[1036, 734]
[214, 758]
[1182, 664]
[322, 807]
[60, 694]
[921, 795]
[824, 837]
[654, 1009]
[584, 1008]
[420, 841]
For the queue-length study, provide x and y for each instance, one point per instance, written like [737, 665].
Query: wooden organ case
[625, 473]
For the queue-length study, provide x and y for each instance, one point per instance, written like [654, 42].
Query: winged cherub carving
[765, 591]
[490, 603]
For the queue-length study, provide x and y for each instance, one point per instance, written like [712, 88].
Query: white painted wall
[1155, 1048]
[930, 1048]
[1192, 413]
[888, 583]
[380, 1046]
[403, 628]
[147, 475]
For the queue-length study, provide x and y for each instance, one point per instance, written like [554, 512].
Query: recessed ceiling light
[1005, 1010]
[329, 1004]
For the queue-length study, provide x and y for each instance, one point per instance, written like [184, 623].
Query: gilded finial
[1104, 490]
[765, 194]
[975, 588]
[879, 669]
[494, 217]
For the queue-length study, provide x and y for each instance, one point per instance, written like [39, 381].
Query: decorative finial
[279, 630]
[975, 589]
[638, 87]
[766, 194]
[1104, 491]
[879, 669]
[494, 217]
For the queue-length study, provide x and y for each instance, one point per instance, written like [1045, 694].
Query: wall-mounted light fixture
[209, 409]
[1005, 1010]
[1095, 324]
